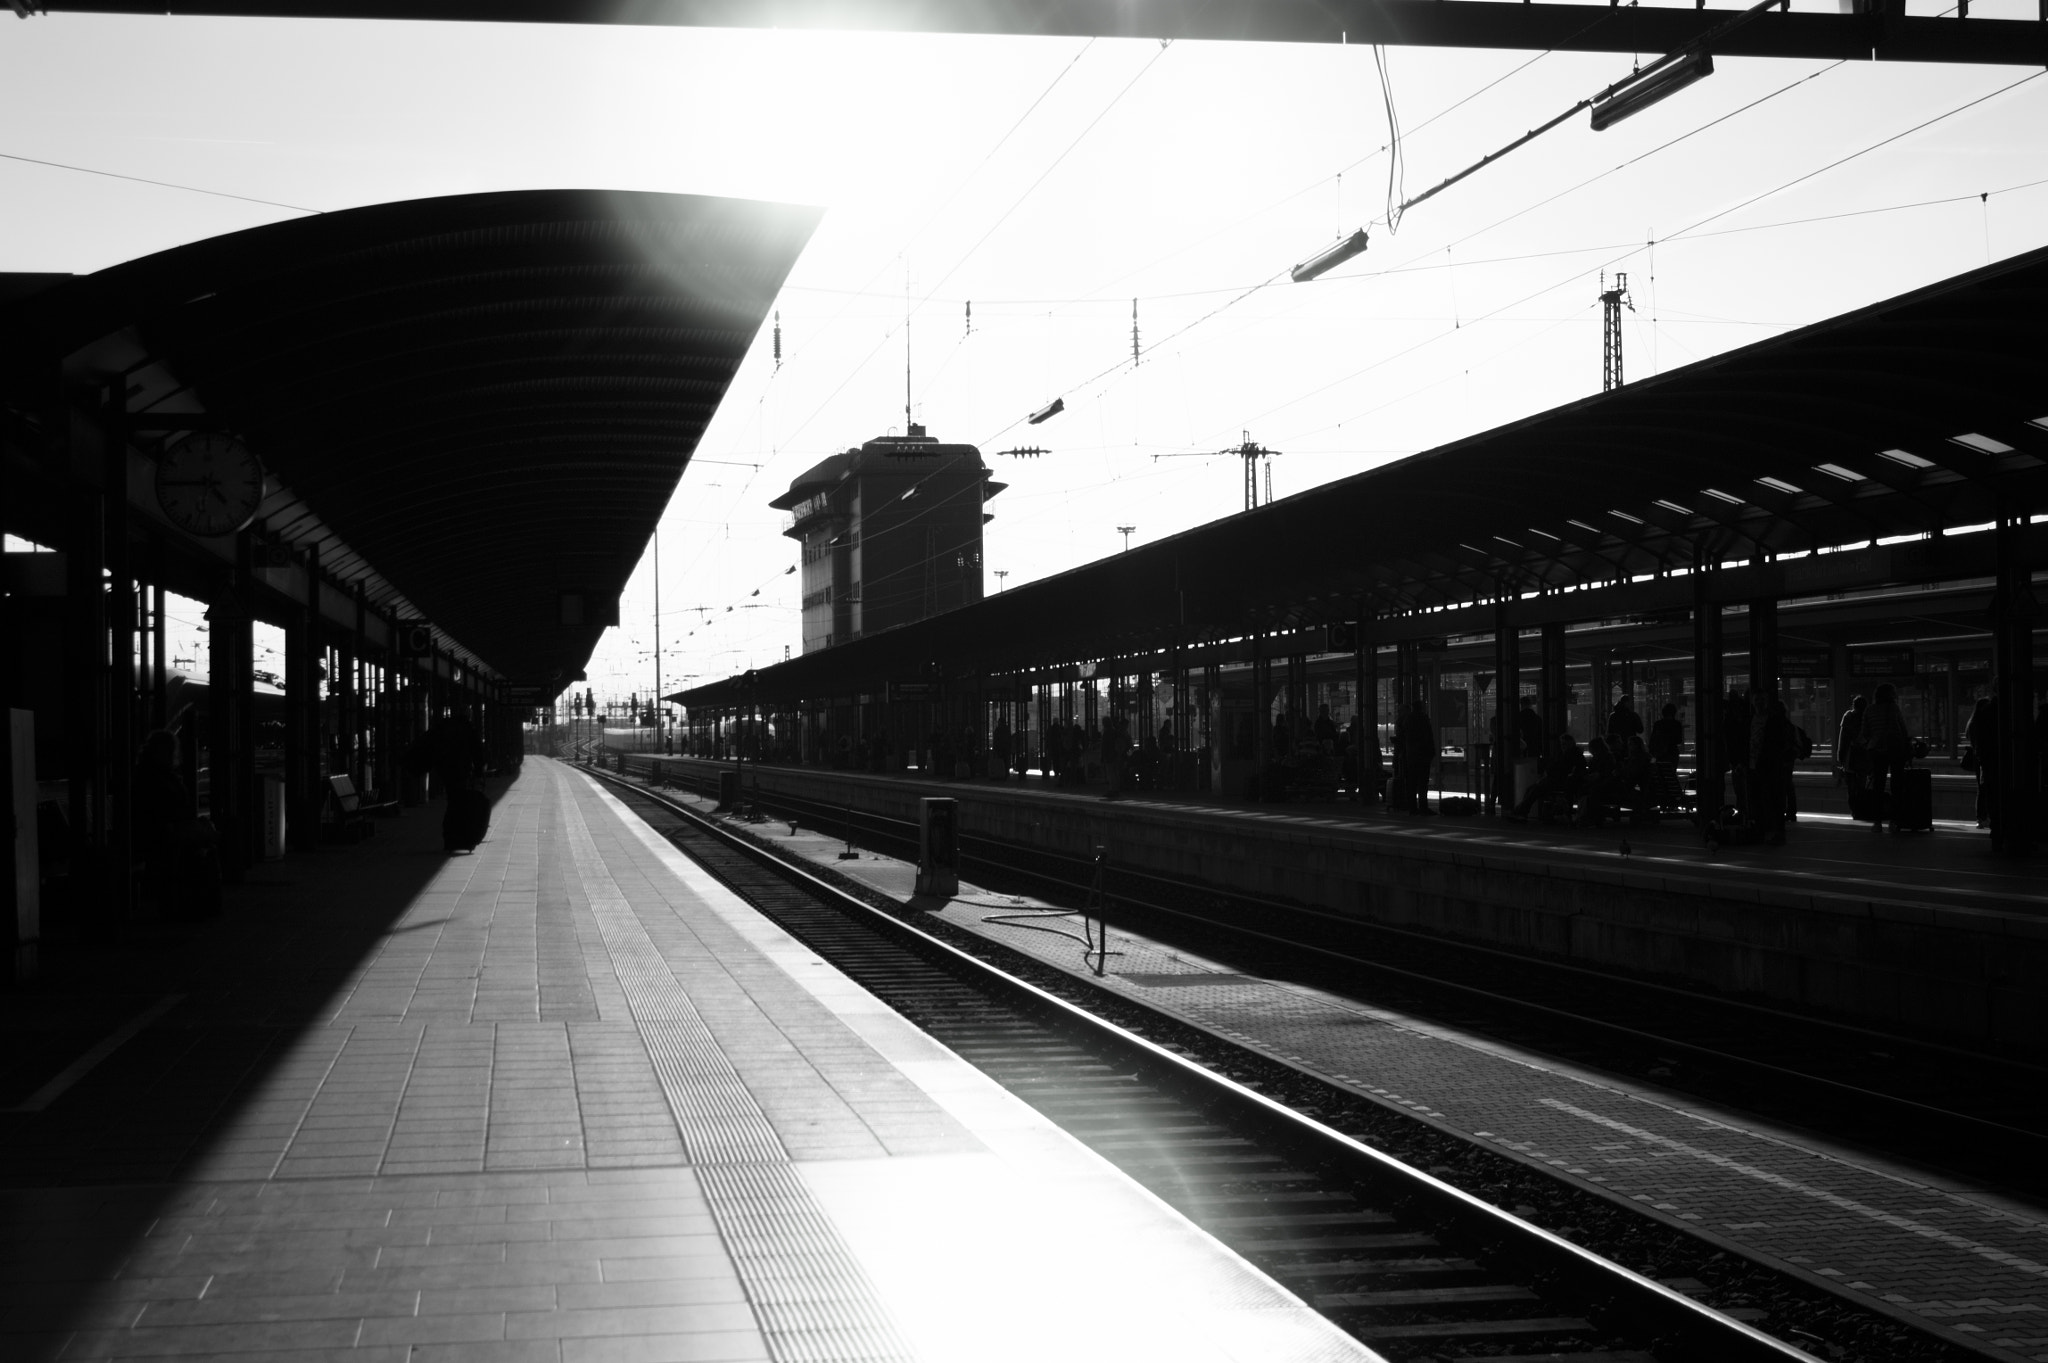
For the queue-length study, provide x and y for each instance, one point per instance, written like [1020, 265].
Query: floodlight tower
[1611, 303]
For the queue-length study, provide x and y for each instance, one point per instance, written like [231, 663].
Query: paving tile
[691, 1318]
[440, 1328]
[738, 1346]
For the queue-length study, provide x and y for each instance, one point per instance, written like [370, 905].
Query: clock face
[209, 484]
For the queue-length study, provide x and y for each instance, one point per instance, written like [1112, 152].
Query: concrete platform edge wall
[1978, 977]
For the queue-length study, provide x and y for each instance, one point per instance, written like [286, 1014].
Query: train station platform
[564, 1099]
[1960, 1258]
[1928, 935]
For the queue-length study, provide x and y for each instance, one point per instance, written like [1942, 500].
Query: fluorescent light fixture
[1779, 485]
[1971, 440]
[1837, 471]
[1545, 533]
[1906, 457]
[1329, 260]
[1049, 411]
[1647, 91]
[1510, 543]
[1593, 529]
[1636, 520]
[1674, 506]
[1717, 493]
[2041, 421]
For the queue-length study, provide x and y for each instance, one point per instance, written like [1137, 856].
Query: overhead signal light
[1659, 85]
[1350, 246]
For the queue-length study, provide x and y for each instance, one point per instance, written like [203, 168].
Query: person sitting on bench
[1564, 774]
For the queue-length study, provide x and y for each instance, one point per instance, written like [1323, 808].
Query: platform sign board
[938, 846]
[1804, 663]
[1881, 662]
[913, 690]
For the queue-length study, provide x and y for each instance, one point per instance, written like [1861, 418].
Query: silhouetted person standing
[454, 753]
[1414, 751]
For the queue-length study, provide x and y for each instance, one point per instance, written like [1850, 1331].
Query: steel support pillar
[1262, 717]
[228, 685]
[121, 611]
[1550, 686]
[302, 703]
[1706, 684]
[2016, 773]
[1507, 703]
[1763, 647]
[86, 758]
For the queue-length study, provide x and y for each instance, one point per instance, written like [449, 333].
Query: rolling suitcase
[467, 820]
[1866, 805]
[1913, 801]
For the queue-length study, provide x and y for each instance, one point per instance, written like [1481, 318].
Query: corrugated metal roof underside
[490, 397]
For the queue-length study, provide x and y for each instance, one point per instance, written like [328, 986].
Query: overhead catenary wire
[911, 240]
[1701, 228]
[161, 184]
[1275, 278]
[1682, 233]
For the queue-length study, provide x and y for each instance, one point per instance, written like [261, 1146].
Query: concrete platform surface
[566, 1099]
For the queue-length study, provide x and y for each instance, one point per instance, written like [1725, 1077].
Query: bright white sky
[1049, 182]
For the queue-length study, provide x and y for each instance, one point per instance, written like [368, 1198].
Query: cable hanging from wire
[1397, 168]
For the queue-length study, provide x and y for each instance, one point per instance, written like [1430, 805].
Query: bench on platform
[352, 808]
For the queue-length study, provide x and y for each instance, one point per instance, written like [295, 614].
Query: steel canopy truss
[1841, 433]
[1884, 33]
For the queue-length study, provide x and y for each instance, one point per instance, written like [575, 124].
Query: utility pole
[1611, 303]
[1125, 531]
[1001, 573]
[1251, 454]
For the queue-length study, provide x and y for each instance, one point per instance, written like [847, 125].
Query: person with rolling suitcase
[466, 820]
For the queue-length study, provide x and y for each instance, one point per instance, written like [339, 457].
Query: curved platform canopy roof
[1924, 414]
[1881, 30]
[488, 398]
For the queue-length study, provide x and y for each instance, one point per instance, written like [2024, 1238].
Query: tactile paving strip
[813, 1301]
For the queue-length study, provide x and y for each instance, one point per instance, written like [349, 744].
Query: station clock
[209, 484]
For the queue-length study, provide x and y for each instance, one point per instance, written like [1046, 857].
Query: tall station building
[891, 534]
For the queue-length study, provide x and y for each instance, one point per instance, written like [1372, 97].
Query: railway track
[1977, 1115]
[1406, 1263]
